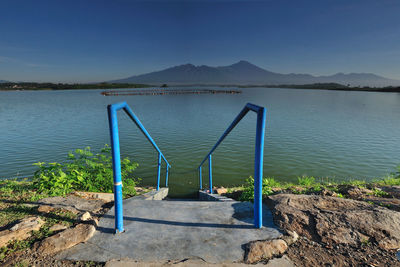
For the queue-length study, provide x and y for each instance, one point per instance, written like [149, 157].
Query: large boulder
[21, 230]
[332, 220]
[265, 250]
[70, 203]
[66, 239]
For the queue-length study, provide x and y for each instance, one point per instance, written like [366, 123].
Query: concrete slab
[276, 262]
[214, 232]
[205, 196]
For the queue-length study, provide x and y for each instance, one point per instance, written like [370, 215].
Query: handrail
[116, 157]
[258, 160]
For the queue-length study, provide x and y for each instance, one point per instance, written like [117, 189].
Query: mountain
[3, 81]
[245, 73]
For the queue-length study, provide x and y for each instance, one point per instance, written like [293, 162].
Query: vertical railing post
[113, 124]
[200, 179]
[210, 173]
[158, 171]
[258, 167]
[166, 176]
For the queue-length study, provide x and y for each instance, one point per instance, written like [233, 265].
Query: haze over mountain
[245, 73]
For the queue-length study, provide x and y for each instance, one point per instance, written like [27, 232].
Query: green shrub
[248, 190]
[306, 180]
[84, 171]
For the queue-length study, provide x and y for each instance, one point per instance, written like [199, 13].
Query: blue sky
[88, 40]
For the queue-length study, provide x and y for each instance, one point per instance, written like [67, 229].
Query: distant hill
[245, 73]
[3, 81]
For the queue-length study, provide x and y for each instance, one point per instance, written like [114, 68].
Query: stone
[106, 197]
[291, 237]
[30, 205]
[394, 191]
[221, 190]
[85, 216]
[58, 227]
[265, 250]
[326, 192]
[354, 192]
[21, 230]
[284, 261]
[45, 209]
[335, 221]
[66, 239]
[73, 204]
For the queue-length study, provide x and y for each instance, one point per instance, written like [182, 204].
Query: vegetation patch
[83, 171]
[311, 185]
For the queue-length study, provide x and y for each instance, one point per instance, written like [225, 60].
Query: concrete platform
[214, 232]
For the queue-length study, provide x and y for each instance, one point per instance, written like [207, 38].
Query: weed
[306, 180]
[84, 171]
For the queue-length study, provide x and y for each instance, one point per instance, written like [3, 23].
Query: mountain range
[245, 73]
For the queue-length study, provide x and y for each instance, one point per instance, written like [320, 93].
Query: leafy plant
[379, 193]
[84, 171]
[248, 190]
[306, 180]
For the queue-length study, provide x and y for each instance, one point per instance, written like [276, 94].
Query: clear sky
[96, 40]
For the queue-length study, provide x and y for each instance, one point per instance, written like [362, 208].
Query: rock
[221, 190]
[58, 227]
[326, 192]
[333, 220]
[106, 197]
[354, 192]
[85, 216]
[394, 191]
[390, 203]
[66, 239]
[30, 205]
[21, 230]
[73, 204]
[264, 250]
[291, 237]
[284, 261]
[45, 209]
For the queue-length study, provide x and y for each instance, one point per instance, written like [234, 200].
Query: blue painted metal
[166, 176]
[258, 160]
[210, 173]
[113, 123]
[158, 171]
[258, 167]
[200, 179]
[116, 157]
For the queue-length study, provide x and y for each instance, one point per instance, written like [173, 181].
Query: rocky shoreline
[359, 228]
[51, 225]
[349, 225]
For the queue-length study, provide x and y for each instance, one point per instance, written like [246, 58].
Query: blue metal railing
[116, 157]
[258, 160]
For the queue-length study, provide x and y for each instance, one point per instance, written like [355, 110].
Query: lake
[336, 134]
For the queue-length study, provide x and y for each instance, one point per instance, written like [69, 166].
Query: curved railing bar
[258, 160]
[116, 157]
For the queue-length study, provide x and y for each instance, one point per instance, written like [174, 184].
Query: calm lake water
[341, 135]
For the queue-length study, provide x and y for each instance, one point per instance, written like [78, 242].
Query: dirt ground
[309, 253]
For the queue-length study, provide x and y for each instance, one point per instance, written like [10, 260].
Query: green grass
[83, 171]
[310, 185]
